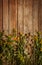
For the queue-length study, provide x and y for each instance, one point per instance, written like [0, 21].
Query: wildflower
[15, 38]
[35, 37]
[41, 41]
[22, 58]
[25, 34]
[18, 38]
[41, 49]
[21, 33]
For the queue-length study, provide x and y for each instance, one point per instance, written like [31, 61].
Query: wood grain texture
[5, 16]
[1, 15]
[20, 16]
[27, 16]
[40, 16]
[12, 15]
[35, 15]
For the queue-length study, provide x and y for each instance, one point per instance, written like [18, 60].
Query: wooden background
[23, 15]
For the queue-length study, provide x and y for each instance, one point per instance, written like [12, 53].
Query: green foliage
[12, 49]
[0, 62]
[38, 49]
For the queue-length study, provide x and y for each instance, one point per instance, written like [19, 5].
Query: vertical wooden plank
[40, 15]
[5, 16]
[1, 15]
[35, 15]
[12, 15]
[20, 16]
[27, 16]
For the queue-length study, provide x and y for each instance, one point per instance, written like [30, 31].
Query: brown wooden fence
[23, 15]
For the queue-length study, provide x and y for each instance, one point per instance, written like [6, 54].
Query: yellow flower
[41, 41]
[22, 58]
[41, 49]
[18, 38]
[35, 37]
[21, 33]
